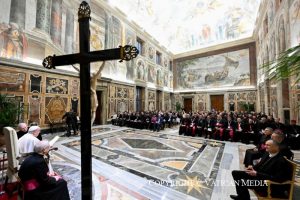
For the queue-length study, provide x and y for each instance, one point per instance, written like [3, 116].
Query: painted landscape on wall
[216, 71]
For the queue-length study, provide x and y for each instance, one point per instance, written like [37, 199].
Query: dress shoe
[234, 197]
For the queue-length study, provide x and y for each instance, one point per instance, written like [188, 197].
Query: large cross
[85, 57]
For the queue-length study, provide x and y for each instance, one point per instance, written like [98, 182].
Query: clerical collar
[271, 155]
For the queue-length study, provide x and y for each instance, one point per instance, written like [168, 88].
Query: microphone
[53, 149]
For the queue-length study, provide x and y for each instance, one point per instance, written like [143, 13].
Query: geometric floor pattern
[188, 165]
[139, 165]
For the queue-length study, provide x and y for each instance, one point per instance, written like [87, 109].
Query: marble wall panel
[75, 87]
[56, 85]
[121, 99]
[55, 109]
[74, 104]
[35, 103]
[35, 83]
[151, 100]
[12, 81]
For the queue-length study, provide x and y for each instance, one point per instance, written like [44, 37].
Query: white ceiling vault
[186, 25]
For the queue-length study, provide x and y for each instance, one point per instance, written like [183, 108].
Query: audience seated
[293, 135]
[38, 182]
[245, 127]
[259, 150]
[272, 167]
[285, 150]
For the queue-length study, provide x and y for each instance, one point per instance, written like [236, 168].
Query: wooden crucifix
[84, 58]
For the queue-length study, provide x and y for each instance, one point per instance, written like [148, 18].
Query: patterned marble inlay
[146, 144]
[204, 162]
[161, 158]
[175, 164]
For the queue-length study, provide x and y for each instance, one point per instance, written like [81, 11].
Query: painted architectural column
[17, 13]
[69, 31]
[43, 15]
[56, 21]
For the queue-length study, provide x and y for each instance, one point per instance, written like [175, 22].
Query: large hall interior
[212, 80]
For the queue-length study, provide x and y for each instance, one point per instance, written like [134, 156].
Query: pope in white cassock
[26, 142]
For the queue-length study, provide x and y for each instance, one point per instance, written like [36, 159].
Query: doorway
[140, 99]
[217, 102]
[98, 120]
[188, 105]
[158, 100]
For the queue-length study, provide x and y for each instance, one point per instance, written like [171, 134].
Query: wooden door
[188, 105]
[217, 102]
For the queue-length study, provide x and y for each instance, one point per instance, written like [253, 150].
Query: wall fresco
[152, 73]
[295, 22]
[140, 70]
[13, 42]
[222, 70]
[130, 40]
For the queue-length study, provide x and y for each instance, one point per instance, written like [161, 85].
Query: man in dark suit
[259, 150]
[71, 121]
[38, 181]
[293, 135]
[272, 166]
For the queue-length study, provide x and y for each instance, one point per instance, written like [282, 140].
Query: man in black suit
[293, 135]
[259, 150]
[37, 180]
[71, 121]
[272, 166]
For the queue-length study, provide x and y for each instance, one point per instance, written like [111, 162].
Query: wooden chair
[290, 182]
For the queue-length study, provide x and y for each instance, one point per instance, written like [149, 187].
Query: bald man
[272, 166]
[23, 129]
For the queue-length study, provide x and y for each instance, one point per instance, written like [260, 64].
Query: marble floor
[140, 164]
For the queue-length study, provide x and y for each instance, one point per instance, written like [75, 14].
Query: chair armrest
[269, 182]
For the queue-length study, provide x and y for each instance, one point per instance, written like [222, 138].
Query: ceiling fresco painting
[187, 25]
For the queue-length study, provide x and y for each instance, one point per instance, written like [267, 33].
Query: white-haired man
[23, 129]
[38, 182]
[26, 142]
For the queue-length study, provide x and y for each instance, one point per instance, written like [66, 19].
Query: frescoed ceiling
[185, 25]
